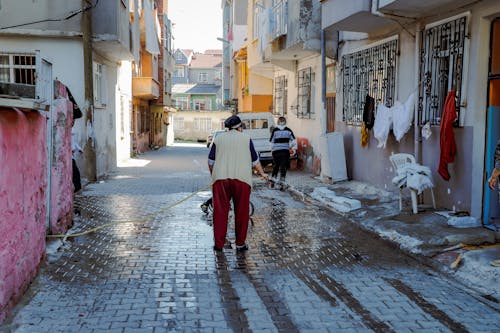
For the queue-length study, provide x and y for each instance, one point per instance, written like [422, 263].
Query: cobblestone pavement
[307, 270]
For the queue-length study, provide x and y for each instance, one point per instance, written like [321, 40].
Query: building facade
[429, 51]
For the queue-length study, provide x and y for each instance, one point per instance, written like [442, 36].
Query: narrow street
[307, 269]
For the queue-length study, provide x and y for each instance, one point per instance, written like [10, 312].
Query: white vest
[233, 159]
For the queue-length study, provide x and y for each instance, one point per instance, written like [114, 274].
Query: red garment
[223, 190]
[447, 137]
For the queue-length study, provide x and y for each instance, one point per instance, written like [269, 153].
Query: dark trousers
[77, 183]
[223, 191]
[281, 162]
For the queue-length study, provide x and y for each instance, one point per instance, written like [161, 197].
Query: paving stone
[307, 269]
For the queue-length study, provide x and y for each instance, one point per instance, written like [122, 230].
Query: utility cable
[67, 17]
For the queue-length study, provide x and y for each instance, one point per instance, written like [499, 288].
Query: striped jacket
[281, 138]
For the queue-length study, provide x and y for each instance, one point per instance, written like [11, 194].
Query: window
[179, 72]
[441, 64]
[178, 123]
[17, 68]
[179, 56]
[257, 10]
[280, 95]
[304, 93]
[202, 77]
[255, 123]
[330, 98]
[99, 84]
[279, 15]
[218, 75]
[371, 71]
[181, 102]
[202, 104]
[155, 67]
[203, 124]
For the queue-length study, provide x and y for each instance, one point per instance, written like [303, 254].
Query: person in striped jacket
[282, 141]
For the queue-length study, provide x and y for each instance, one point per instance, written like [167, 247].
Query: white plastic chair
[399, 161]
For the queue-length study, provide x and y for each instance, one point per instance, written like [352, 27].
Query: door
[491, 207]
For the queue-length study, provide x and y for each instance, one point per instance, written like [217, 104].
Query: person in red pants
[230, 161]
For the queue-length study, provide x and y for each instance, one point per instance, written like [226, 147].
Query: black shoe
[217, 249]
[242, 247]
[204, 208]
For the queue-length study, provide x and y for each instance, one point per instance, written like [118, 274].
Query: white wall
[123, 102]
[312, 129]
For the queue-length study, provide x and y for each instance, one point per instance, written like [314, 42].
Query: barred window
[17, 68]
[371, 71]
[441, 63]
[178, 123]
[203, 124]
[304, 93]
[280, 95]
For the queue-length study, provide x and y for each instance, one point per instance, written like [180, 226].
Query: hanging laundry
[383, 123]
[447, 137]
[369, 112]
[403, 118]
[364, 136]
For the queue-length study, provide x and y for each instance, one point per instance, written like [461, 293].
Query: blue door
[491, 207]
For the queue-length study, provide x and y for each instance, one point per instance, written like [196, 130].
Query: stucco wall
[61, 211]
[188, 132]
[23, 181]
[465, 188]
[313, 129]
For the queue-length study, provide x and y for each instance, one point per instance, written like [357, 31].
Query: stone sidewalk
[426, 235]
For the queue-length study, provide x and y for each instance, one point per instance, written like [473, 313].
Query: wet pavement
[307, 270]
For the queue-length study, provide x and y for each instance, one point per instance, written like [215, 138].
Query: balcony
[279, 13]
[112, 29]
[352, 15]
[145, 88]
[419, 8]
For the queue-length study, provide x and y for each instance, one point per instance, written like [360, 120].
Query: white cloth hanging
[383, 123]
[402, 118]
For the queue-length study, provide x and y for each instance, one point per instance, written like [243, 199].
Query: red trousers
[223, 191]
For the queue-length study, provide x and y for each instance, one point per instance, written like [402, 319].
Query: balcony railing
[280, 15]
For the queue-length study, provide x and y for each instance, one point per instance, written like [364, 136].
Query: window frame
[15, 71]
[363, 74]
[431, 100]
[99, 84]
[304, 91]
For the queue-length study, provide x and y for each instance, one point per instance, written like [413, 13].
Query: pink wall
[23, 181]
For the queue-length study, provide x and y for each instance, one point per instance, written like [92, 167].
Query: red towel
[447, 137]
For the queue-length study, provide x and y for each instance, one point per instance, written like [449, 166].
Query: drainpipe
[417, 134]
[323, 68]
[90, 148]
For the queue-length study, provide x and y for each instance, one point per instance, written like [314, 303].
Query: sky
[197, 24]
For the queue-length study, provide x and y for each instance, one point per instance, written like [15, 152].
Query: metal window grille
[280, 95]
[368, 72]
[18, 68]
[279, 27]
[441, 63]
[304, 93]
